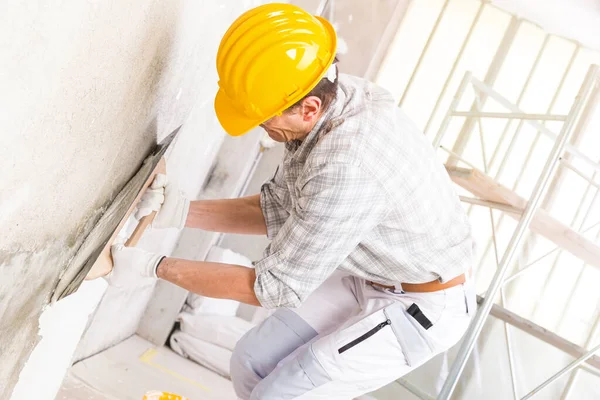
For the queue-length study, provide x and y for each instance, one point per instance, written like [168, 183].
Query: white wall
[86, 88]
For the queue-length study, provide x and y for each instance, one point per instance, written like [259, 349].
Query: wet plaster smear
[86, 89]
[103, 229]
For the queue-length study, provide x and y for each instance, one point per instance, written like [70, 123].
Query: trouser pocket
[383, 345]
[470, 298]
[364, 336]
[410, 333]
[408, 327]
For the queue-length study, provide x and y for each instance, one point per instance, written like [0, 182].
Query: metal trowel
[93, 258]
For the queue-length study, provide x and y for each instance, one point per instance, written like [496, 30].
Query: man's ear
[311, 108]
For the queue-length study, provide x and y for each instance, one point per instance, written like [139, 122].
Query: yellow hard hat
[270, 58]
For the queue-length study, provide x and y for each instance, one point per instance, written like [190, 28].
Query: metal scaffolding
[491, 194]
[516, 56]
[551, 124]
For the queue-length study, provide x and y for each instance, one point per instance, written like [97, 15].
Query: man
[369, 241]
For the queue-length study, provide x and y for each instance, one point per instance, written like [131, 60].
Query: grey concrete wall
[86, 88]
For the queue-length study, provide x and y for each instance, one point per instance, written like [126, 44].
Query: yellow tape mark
[149, 355]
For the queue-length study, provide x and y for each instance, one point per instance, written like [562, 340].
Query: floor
[133, 367]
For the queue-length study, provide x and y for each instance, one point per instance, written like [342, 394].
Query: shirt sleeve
[274, 202]
[338, 205]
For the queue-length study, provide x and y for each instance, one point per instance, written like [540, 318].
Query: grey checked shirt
[364, 192]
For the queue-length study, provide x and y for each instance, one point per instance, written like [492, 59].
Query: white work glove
[164, 196]
[132, 264]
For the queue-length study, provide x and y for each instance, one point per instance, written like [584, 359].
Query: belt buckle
[397, 289]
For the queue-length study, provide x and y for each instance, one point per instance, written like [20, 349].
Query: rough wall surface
[86, 88]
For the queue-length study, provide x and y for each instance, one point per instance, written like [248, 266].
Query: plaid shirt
[363, 192]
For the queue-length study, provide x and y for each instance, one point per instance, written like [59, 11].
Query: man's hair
[325, 91]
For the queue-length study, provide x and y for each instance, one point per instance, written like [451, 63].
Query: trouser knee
[259, 351]
[243, 375]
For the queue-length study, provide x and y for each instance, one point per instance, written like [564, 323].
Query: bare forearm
[222, 281]
[242, 215]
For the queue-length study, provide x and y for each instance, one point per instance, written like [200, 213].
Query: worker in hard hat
[369, 242]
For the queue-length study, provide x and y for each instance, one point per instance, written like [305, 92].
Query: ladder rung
[486, 189]
[491, 204]
[540, 332]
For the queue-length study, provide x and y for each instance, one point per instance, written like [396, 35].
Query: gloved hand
[164, 196]
[131, 264]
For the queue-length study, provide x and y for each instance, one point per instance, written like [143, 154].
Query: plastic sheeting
[222, 331]
[208, 355]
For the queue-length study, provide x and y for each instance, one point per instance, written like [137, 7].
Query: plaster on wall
[61, 326]
[86, 88]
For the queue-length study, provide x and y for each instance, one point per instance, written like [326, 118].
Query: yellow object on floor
[157, 395]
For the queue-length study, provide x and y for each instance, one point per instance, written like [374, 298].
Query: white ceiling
[575, 19]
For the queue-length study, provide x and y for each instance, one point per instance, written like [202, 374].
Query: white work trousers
[347, 339]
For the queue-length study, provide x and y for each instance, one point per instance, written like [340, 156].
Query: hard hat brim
[233, 121]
